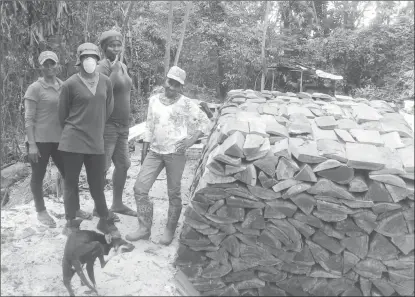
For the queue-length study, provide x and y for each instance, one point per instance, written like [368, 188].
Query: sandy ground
[31, 254]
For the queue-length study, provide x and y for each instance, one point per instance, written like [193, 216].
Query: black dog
[83, 247]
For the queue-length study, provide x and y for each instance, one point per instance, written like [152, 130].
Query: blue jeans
[150, 169]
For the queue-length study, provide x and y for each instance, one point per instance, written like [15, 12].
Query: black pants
[46, 150]
[95, 172]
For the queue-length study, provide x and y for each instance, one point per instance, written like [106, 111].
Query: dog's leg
[67, 283]
[102, 261]
[81, 274]
[68, 273]
[90, 271]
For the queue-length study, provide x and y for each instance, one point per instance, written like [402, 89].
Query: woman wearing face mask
[85, 104]
[117, 127]
[43, 130]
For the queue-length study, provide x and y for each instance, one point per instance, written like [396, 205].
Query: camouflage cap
[86, 49]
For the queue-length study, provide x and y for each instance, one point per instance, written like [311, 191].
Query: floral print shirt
[168, 124]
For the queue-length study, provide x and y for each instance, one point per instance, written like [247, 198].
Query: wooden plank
[136, 131]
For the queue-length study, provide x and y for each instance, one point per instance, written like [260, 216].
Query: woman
[174, 123]
[117, 127]
[43, 130]
[85, 104]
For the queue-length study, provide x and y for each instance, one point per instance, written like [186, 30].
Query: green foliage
[221, 49]
[378, 57]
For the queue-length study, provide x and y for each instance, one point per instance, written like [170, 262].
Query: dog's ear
[108, 238]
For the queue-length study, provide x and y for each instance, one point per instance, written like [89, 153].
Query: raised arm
[110, 69]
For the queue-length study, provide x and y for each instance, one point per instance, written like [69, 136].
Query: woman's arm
[63, 105]
[31, 99]
[30, 115]
[199, 123]
[110, 100]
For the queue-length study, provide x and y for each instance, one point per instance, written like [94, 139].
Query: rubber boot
[71, 226]
[145, 221]
[172, 220]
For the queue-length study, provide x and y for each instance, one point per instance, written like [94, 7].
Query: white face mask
[89, 65]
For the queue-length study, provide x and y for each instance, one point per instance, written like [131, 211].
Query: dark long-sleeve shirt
[83, 115]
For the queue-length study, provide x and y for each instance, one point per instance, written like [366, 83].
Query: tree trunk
[316, 19]
[221, 89]
[124, 26]
[186, 19]
[88, 16]
[168, 39]
[264, 35]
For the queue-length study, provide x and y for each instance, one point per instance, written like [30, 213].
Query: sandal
[126, 211]
[46, 219]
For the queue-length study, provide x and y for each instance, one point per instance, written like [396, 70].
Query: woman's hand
[33, 153]
[184, 144]
[143, 156]
[116, 65]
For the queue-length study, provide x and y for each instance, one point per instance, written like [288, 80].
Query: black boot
[172, 220]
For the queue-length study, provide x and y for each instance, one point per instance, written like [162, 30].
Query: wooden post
[301, 81]
[272, 84]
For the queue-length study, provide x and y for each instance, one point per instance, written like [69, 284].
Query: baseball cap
[47, 55]
[177, 73]
[109, 36]
[86, 49]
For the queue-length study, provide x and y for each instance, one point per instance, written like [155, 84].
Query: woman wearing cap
[174, 123]
[85, 104]
[43, 130]
[117, 127]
